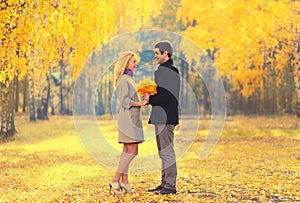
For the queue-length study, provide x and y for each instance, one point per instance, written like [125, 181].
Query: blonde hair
[121, 65]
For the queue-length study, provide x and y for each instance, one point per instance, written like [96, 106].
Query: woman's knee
[132, 149]
[134, 152]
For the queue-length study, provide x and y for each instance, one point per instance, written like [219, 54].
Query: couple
[164, 115]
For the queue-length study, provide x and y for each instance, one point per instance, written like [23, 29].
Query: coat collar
[168, 63]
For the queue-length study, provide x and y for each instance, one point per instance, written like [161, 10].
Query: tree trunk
[7, 127]
[31, 95]
[17, 98]
[184, 92]
[48, 94]
[42, 110]
[61, 87]
[290, 92]
[100, 107]
[297, 75]
[25, 93]
[274, 93]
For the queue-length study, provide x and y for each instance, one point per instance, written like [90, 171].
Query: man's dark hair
[164, 46]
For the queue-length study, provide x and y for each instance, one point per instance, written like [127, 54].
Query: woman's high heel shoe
[114, 187]
[126, 187]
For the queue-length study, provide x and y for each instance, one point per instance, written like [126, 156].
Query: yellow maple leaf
[146, 86]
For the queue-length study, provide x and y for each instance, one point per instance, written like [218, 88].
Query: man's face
[161, 58]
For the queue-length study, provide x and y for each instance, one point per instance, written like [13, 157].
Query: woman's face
[132, 63]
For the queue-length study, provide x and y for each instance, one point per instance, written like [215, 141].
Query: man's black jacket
[165, 102]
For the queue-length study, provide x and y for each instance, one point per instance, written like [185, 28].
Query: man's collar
[168, 63]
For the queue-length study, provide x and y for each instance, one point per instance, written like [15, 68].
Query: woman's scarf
[128, 72]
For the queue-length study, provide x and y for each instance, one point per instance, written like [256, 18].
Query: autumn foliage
[256, 160]
[39, 34]
[247, 38]
[248, 41]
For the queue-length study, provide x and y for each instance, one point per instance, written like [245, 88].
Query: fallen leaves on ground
[47, 163]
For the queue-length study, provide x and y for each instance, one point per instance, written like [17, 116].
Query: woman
[129, 121]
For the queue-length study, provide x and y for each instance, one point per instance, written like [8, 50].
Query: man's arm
[163, 97]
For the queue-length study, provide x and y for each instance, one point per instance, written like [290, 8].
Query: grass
[256, 159]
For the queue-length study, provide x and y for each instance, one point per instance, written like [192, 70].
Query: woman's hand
[144, 102]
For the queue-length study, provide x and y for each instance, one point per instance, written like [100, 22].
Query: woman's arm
[142, 103]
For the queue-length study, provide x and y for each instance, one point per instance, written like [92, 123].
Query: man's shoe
[166, 191]
[158, 188]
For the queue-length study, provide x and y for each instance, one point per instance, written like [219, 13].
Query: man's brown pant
[165, 145]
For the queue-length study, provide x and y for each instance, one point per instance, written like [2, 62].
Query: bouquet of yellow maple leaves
[146, 85]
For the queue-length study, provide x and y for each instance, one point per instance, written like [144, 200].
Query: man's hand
[144, 102]
[146, 96]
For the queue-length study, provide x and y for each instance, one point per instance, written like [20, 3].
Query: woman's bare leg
[118, 174]
[130, 152]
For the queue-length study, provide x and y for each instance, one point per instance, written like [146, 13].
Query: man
[164, 115]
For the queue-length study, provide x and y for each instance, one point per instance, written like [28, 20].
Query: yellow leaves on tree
[243, 33]
[42, 34]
